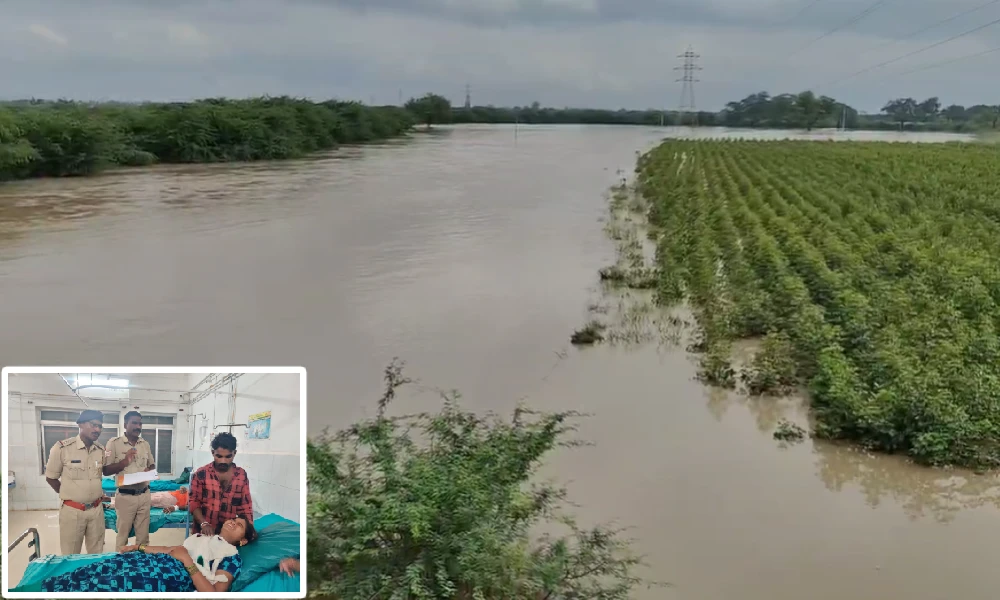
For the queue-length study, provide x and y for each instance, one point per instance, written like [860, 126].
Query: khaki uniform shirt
[119, 447]
[78, 469]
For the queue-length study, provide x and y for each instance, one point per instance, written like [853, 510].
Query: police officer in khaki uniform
[130, 453]
[74, 471]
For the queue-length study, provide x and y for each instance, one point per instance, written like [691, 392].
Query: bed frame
[34, 543]
[185, 524]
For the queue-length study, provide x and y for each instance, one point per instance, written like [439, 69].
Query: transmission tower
[468, 97]
[687, 90]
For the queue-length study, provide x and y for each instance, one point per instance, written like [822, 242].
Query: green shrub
[439, 506]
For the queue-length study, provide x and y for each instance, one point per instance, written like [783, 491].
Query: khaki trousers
[75, 526]
[132, 511]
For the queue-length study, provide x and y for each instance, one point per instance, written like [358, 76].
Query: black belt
[133, 492]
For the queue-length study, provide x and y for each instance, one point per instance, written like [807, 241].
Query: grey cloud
[609, 53]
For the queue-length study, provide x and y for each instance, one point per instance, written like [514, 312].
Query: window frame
[153, 443]
[42, 424]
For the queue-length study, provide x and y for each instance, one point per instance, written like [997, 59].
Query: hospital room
[205, 469]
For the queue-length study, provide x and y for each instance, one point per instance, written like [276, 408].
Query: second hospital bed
[178, 519]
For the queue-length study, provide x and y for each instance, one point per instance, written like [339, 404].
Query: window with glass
[158, 430]
[58, 425]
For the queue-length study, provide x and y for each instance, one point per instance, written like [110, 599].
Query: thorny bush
[435, 506]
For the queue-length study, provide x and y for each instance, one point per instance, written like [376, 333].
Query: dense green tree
[901, 110]
[430, 109]
[929, 109]
[812, 109]
[955, 113]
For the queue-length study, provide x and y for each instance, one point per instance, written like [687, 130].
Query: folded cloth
[207, 551]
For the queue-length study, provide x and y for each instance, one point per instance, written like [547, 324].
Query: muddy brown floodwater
[472, 256]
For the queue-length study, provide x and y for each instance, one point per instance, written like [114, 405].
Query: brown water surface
[473, 255]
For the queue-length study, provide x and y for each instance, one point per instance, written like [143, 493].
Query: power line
[852, 21]
[938, 23]
[948, 62]
[803, 11]
[915, 52]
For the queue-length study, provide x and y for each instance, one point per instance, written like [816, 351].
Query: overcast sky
[600, 53]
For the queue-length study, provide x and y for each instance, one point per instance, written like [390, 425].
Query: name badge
[75, 461]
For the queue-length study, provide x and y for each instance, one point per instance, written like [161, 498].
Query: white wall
[273, 465]
[30, 393]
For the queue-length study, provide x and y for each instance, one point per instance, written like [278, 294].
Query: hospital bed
[158, 485]
[178, 519]
[278, 538]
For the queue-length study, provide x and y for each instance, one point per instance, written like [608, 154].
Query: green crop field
[871, 271]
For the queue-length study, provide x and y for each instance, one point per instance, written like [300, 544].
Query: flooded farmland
[472, 254]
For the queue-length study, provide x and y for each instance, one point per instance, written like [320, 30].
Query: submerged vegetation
[442, 506]
[67, 138]
[871, 270]
[789, 432]
[591, 333]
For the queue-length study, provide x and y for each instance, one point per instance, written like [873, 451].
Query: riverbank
[71, 139]
[876, 297]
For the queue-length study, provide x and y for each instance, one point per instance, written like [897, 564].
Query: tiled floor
[47, 524]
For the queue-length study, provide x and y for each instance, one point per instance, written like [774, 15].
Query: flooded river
[472, 255]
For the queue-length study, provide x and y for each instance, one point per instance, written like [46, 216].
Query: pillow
[275, 542]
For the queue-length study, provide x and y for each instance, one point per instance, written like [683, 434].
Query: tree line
[64, 138]
[55, 139]
[804, 110]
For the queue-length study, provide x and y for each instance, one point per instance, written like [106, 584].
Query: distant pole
[400, 96]
[468, 97]
[687, 89]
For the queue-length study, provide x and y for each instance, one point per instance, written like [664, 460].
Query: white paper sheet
[134, 478]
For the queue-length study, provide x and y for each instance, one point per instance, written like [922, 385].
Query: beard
[222, 467]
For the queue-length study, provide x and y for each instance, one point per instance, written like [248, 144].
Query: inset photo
[154, 482]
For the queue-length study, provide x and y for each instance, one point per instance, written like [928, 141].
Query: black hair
[224, 440]
[250, 533]
[132, 413]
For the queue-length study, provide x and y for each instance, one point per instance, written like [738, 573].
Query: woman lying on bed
[201, 564]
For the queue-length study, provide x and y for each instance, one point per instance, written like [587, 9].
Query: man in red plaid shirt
[220, 490]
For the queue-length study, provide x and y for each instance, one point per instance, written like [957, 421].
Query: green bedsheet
[157, 519]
